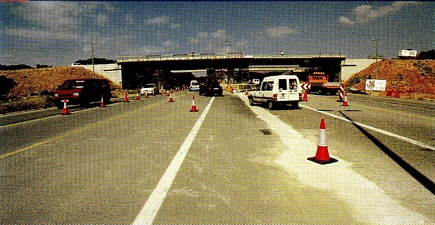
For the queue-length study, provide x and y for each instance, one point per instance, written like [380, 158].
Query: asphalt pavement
[227, 163]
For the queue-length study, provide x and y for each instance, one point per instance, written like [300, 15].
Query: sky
[58, 33]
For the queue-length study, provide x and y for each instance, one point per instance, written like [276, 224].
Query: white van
[278, 91]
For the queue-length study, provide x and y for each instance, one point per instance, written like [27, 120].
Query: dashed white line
[154, 202]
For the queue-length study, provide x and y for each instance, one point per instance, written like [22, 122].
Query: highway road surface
[151, 161]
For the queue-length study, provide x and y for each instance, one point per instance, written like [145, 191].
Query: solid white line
[414, 142]
[152, 206]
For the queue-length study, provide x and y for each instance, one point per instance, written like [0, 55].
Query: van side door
[268, 90]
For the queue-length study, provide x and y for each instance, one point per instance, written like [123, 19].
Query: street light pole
[376, 44]
[93, 66]
[227, 43]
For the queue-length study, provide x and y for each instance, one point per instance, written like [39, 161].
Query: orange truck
[321, 85]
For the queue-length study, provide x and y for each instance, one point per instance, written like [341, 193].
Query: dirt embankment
[34, 88]
[31, 82]
[405, 78]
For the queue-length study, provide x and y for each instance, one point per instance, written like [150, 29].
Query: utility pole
[93, 66]
[376, 56]
[227, 44]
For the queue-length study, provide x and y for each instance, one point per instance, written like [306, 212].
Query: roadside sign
[375, 85]
[306, 86]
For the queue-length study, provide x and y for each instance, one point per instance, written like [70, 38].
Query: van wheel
[270, 105]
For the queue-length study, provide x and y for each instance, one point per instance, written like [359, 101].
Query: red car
[82, 91]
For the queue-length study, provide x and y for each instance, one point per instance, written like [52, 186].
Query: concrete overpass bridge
[238, 66]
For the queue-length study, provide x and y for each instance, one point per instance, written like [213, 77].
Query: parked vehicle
[320, 84]
[149, 89]
[211, 88]
[278, 91]
[194, 85]
[82, 91]
[255, 81]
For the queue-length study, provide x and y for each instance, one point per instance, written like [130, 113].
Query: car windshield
[72, 84]
[149, 85]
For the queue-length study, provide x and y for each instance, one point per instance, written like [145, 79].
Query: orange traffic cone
[193, 109]
[305, 98]
[65, 110]
[126, 97]
[137, 96]
[322, 154]
[345, 100]
[102, 101]
[170, 98]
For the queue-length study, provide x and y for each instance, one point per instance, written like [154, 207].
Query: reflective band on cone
[345, 100]
[102, 101]
[322, 154]
[65, 110]
[193, 109]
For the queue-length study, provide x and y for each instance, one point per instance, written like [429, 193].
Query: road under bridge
[236, 67]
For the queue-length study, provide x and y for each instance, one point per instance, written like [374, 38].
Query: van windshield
[69, 84]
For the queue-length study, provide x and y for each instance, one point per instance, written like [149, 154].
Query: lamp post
[376, 56]
[93, 66]
[227, 44]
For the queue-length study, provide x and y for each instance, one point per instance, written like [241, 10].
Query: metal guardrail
[214, 56]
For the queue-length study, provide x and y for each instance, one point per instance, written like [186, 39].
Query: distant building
[408, 54]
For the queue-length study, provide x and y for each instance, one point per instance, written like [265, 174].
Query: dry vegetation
[405, 78]
[34, 88]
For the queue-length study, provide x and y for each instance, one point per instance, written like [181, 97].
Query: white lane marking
[409, 140]
[152, 206]
[366, 201]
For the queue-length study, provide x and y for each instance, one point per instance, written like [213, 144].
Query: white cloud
[102, 20]
[41, 34]
[168, 43]
[128, 19]
[280, 31]
[345, 20]
[366, 13]
[219, 34]
[157, 20]
[50, 14]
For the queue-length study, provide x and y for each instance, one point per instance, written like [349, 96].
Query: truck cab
[320, 83]
[278, 91]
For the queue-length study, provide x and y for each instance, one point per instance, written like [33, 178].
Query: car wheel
[270, 105]
[251, 101]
